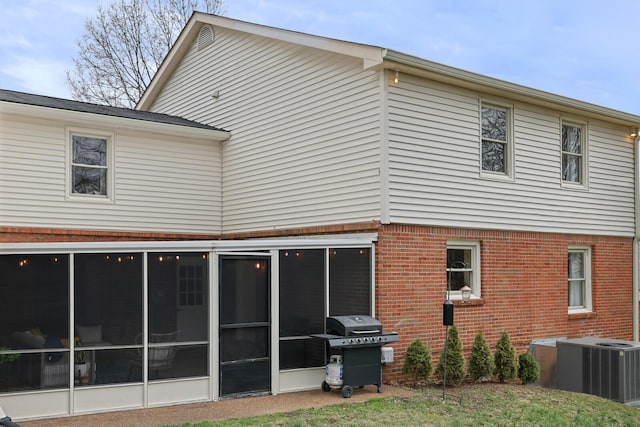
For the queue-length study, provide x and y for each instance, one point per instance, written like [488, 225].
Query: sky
[588, 50]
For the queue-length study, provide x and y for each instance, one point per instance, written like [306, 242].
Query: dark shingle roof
[85, 107]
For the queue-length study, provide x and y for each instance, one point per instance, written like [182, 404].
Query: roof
[382, 58]
[103, 110]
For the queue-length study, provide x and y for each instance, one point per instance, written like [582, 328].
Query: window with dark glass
[572, 153]
[495, 139]
[463, 267]
[88, 165]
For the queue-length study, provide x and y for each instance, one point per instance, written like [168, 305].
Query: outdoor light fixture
[466, 293]
[397, 78]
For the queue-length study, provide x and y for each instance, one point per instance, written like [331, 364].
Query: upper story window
[463, 267]
[579, 278]
[573, 153]
[90, 171]
[497, 149]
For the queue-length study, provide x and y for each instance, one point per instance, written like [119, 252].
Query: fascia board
[334, 241]
[409, 64]
[358, 50]
[92, 119]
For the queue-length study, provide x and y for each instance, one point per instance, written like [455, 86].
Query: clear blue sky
[584, 49]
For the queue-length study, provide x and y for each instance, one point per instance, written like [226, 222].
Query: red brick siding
[524, 287]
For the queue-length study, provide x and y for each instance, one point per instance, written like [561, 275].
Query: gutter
[410, 64]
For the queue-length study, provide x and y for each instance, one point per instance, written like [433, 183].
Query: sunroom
[100, 326]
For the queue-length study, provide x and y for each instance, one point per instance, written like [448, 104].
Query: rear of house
[349, 179]
[528, 198]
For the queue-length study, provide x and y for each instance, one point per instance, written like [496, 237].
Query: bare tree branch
[124, 44]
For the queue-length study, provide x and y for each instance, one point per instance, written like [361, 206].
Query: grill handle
[372, 331]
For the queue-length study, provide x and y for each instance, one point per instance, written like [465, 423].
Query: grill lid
[357, 324]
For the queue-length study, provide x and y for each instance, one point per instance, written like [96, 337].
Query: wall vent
[205, 37]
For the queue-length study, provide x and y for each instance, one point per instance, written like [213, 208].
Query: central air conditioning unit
[599, 366]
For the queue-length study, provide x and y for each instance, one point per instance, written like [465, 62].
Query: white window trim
[510, 157]
[475, 285]
[588, 300]
[584, 184]
[92, 133]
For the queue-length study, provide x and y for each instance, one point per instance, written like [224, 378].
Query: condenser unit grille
[609, 369]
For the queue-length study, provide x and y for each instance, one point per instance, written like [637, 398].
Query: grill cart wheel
[325, 387]
[347, 391]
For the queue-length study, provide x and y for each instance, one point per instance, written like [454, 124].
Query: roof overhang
[88, 119]
[371, 55]
[374, 57]
[413, 65]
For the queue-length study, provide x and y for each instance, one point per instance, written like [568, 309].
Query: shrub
[528, 369]
[505, 359]
[455, 358]
[417, 361]
[481, 362]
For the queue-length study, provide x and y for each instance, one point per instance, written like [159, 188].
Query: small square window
[463, 267]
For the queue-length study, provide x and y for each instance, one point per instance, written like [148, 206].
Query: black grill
[359, 339]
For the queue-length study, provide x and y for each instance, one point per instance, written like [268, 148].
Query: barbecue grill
[358, 338]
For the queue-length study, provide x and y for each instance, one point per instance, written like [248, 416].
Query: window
[90, 164]
[579, 273]
[190, 279]
[573, 153]
[463, 267]
[497, 154]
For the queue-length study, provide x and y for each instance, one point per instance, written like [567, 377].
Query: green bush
[528, 369]
[505, 359]
[481, 364]
[455, 359]
[417, 361]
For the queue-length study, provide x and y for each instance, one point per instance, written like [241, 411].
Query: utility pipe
[636, 239]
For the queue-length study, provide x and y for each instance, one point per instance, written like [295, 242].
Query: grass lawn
[467, 405]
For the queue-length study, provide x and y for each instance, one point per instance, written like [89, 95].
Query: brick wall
[524, 287]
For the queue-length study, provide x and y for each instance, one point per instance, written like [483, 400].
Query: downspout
[636, 238]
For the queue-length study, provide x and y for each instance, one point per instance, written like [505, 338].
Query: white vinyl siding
[434, 171]
[305, 128]
[162, 184]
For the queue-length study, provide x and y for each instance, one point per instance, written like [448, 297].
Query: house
[185, 251]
